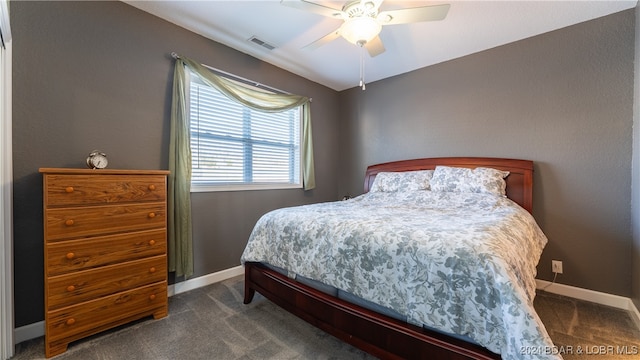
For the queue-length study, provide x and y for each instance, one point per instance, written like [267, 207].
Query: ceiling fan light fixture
[360, 30]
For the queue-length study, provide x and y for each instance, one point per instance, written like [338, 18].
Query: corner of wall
[635, 170]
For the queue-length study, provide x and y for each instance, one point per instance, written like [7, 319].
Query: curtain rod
[238, 78]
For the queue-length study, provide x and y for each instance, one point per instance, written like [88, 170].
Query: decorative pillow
[402, 181]
[478, 180]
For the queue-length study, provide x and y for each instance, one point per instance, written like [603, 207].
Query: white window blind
[234, 147]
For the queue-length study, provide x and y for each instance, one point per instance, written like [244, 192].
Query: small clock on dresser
[97, 160]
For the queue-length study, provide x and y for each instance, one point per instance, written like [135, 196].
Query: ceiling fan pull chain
[362, 84]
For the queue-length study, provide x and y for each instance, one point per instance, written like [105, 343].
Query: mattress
[353, 299]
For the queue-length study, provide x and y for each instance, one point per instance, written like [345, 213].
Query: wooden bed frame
[374, 333]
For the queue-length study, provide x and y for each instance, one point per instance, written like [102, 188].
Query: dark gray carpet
[585, 330]
[213, 323]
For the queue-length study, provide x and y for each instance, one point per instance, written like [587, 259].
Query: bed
[436, 260]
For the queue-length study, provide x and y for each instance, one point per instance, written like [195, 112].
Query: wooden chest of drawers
[105, 251]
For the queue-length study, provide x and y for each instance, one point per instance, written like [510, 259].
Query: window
[234, 147]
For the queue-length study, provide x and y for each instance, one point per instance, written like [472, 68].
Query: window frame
[199, 187]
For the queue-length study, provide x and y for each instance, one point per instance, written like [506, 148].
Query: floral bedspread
[464, 263]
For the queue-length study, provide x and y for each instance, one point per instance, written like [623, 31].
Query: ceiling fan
[363, 20]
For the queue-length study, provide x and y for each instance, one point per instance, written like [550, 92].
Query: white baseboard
[205, 280]
[615, 301]
[28, 332]
[35, 330]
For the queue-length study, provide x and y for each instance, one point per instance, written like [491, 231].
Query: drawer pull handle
[69, 189]
[152, 187]
[71, 288]
[152, 215]
[68, 222]
[152, 242]
[71, 321]
[70, 256]
[152, 297]
[152, 270]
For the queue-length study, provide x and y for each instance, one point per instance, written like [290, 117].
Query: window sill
[216, 188]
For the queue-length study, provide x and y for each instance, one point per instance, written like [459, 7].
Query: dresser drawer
[77, 321]
[69, 223]
[65, 190]
[70, 289]
[68, 256]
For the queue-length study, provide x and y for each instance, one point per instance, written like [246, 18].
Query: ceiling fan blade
[323, 40]
[411, 15]
[374, 46]
[314, 8]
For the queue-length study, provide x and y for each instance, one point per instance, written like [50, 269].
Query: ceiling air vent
[265, 45]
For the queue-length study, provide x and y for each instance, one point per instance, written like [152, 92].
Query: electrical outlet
[556, 266]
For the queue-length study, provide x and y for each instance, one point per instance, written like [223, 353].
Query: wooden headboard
[519, 181]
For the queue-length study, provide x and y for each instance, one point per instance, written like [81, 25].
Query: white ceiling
[469, 27]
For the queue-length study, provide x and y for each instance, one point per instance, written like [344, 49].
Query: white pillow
[478, 180]
[402, 181]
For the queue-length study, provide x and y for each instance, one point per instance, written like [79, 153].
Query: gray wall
[98, 75]
[563, 99]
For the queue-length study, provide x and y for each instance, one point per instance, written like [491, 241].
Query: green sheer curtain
[179, 202]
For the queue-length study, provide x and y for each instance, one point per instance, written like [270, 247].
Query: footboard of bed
[374, 333]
